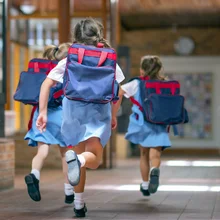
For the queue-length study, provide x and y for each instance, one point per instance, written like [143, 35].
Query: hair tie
[55, 50]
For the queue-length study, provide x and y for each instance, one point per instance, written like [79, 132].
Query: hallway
[189, 189]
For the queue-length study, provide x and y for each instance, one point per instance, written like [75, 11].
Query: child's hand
[114, 122]
[41, 122]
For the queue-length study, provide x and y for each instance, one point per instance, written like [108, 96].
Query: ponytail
[151, 66]
[56, 53]
[89, 32]
[50, 52]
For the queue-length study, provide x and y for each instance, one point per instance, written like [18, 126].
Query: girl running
[87, 123]
[152, 138]
[51, 136]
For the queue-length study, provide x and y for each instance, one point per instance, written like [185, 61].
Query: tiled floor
[189, 190]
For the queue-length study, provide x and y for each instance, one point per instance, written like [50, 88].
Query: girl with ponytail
[86, 125]
[52, 136]
[152, 138]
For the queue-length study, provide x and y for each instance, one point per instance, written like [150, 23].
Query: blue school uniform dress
[82, 121]
[144, 133]
[52, 135]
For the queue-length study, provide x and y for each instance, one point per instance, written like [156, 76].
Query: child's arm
[55, 75]
[115, 108]
[43, 102]
[127, 90]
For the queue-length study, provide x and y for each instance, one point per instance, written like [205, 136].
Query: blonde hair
[151, 66]
[52, 52]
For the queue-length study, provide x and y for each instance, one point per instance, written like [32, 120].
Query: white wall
[199, 65]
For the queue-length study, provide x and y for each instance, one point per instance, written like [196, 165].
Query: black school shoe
[69, 199]
[80, 213]
[33, 187]
[145, 192]
[154, 180]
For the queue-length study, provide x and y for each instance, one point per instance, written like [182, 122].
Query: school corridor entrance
[184, 35]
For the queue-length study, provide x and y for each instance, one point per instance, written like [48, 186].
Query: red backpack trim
[37, 66]
[135, 102]
[91, 53]
[31, 118]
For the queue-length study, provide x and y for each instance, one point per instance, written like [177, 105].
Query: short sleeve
[130, 88]
[57, 72]
[119, 74]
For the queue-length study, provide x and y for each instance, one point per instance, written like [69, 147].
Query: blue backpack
[28, 89]
[161, 102]
[90, 74]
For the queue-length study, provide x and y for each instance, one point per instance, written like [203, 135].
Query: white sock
[68, 189]
[145, 184]
[81, 159]
[36, 173]
[152, 168]
[79, 201]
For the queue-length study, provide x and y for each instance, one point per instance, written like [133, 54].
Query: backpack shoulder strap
[135, 102]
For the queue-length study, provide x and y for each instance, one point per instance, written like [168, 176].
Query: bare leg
[155, 154]
[145, 169]
[144, 163]
[68, 189]
[38, 160]
[79, 189]
[90, 157]
[32, 180]
[63, 150]
[93, 154]
[155, 160]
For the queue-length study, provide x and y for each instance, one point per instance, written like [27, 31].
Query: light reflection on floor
[196, 163]
[188, 184]
[165, 188]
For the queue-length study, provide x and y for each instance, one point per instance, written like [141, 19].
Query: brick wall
[161, 42]
[7, 164]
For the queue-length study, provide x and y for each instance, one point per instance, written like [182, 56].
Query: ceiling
[139, 14]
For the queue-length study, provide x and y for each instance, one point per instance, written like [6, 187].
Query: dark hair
[151, 65]
[52, 52]
[89, 32]
[102, 39]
